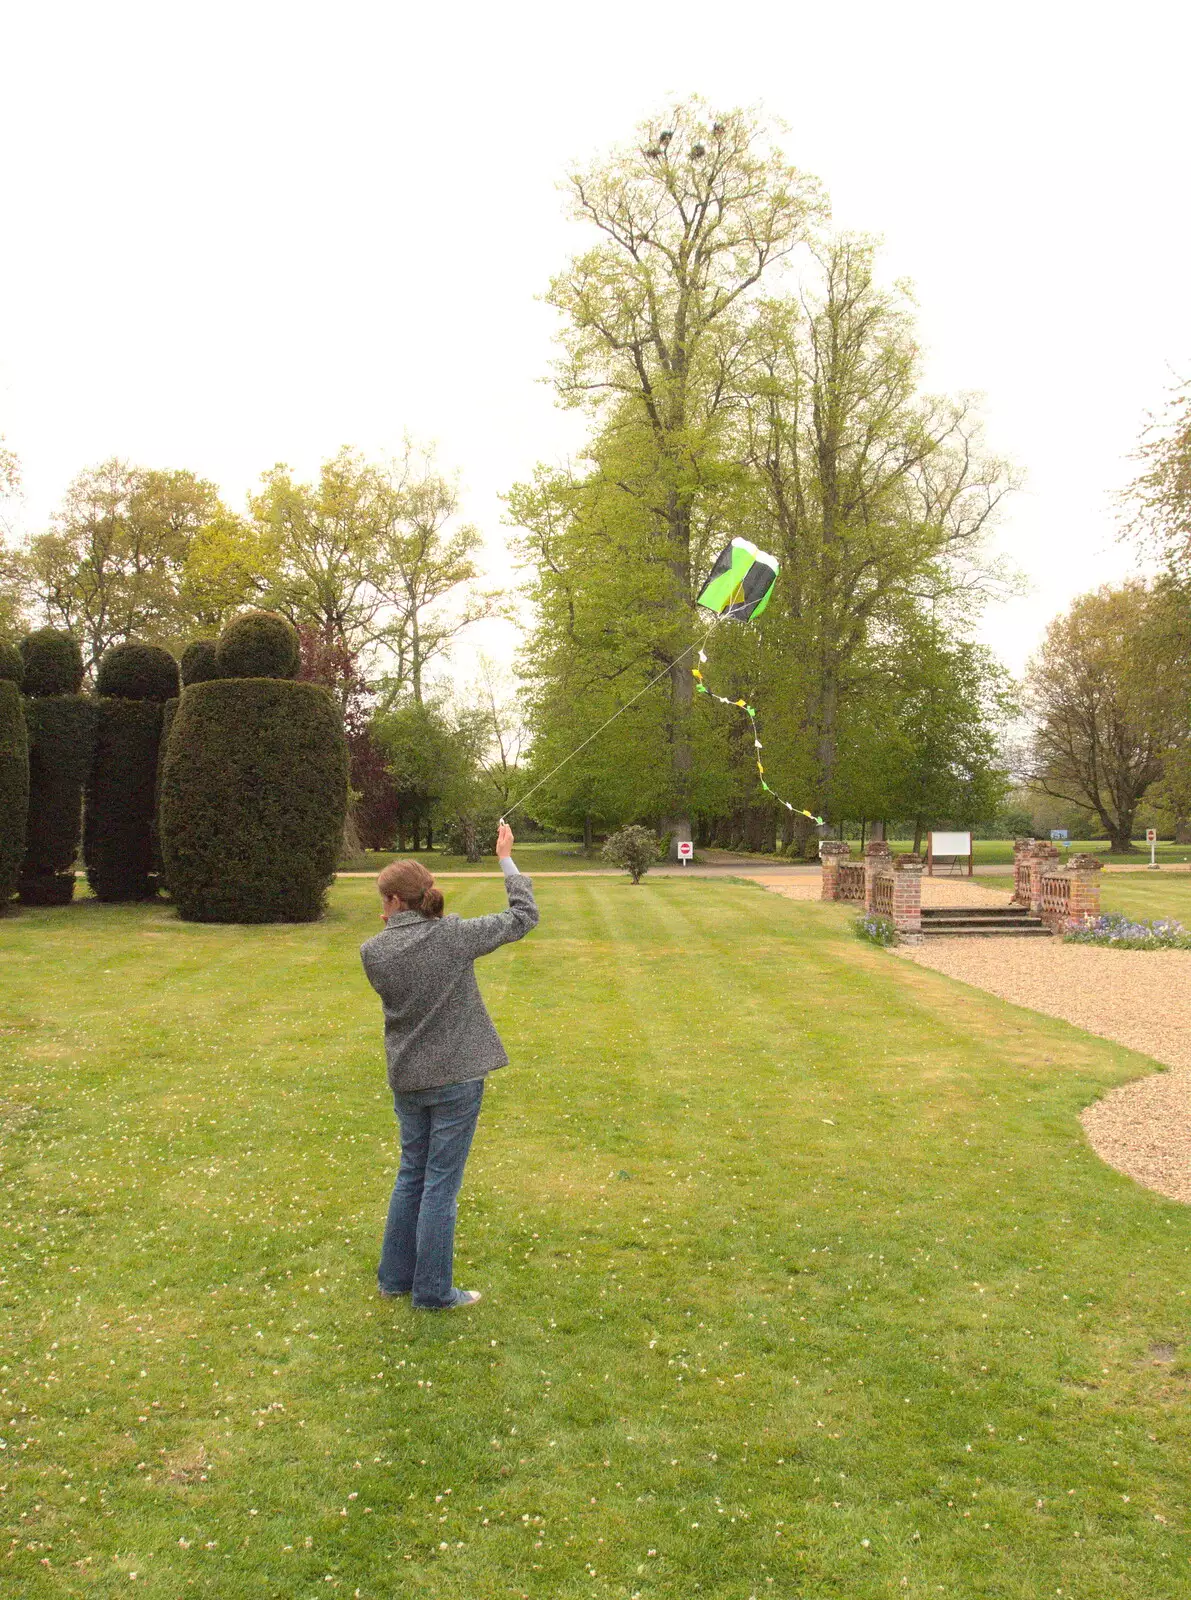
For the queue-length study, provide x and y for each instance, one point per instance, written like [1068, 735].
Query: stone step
[1031, 929]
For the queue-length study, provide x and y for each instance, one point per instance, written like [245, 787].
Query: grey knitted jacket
[437, 1029]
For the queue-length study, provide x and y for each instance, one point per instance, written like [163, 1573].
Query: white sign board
[685, 850]
[951, 844]
[1151, 836]
[1059, 835]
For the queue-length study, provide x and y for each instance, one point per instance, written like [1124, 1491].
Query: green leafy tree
[691, 217]
[1102, 721]
[874, 495]
[112, 565]
[425, 567]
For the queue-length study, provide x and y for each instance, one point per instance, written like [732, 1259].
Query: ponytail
[409, 882]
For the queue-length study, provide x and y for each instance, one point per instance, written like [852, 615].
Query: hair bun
[431, 902]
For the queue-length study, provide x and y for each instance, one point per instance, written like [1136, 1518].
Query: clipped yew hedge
[259, 644]
[134, 680]
[53, 663]
[14, 788]
[199, 663]
[253, 796]
[61, 730]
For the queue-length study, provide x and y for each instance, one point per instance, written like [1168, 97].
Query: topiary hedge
[53, 663]
[14, 788]
[168, 712]
[199, 662]
[118, 838]
[61, 737]
[253, 796]
[258, 644]
[12, 667]
[135, 671]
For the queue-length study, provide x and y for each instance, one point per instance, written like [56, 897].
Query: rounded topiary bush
[253, 797]
[53, 662]
[14, 788]
[61, 729]
[199, 662]
[12, 667]
[258, 644]
[134, 680]
[136, 671]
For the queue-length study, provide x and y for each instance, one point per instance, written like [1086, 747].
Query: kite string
[698, 644]
[750, 712]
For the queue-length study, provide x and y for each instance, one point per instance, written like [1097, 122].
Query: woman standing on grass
[440, 1045]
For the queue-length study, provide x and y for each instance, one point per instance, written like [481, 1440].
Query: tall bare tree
[692, 217]
[424, 566]
[879, 497]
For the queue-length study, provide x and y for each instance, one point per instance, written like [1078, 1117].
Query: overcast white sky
[241, 233]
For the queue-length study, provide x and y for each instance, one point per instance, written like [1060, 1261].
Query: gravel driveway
[1139, 998]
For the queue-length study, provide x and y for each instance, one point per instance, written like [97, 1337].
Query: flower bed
[1123, 933]
[877, 930]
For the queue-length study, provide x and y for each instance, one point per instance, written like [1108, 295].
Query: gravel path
[1139, 998]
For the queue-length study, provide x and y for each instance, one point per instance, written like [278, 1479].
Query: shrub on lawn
[14, 787]
[61, 730]
[1123, 933]
[877, 930]
[634, 848]
[134, 680]
[199, 662]
[258, 644]
[253, 797]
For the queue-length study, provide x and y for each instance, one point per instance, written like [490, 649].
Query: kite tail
[752, 716]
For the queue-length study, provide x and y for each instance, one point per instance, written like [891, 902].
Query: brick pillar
[907, 898]
[831, 853]
[1022, 850]
[877, 856]
[1042, 859]
[1084, 870]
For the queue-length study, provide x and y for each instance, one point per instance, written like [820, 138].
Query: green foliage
[53, 663]
[471, 834]
[634, 848]
[168, 712]
[253, 797]
[14, 788]
[120, 794]
[200, 662]
[136, 671]
[117, 562]
[1100, 691]
[258, 644]
[12, 666]
[875, 930]
[61, 739]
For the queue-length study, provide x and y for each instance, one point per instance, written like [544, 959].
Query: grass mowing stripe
[709, 1358]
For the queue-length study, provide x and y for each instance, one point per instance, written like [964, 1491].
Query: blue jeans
[418, 1250]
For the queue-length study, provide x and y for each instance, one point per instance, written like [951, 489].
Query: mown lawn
[533, 857]
[800, 1279]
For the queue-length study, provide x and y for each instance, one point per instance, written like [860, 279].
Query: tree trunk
[587, 834]
[919, 826]
[827, 743]
[429, 834]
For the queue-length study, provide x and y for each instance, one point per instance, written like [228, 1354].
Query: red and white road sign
[686, 850]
